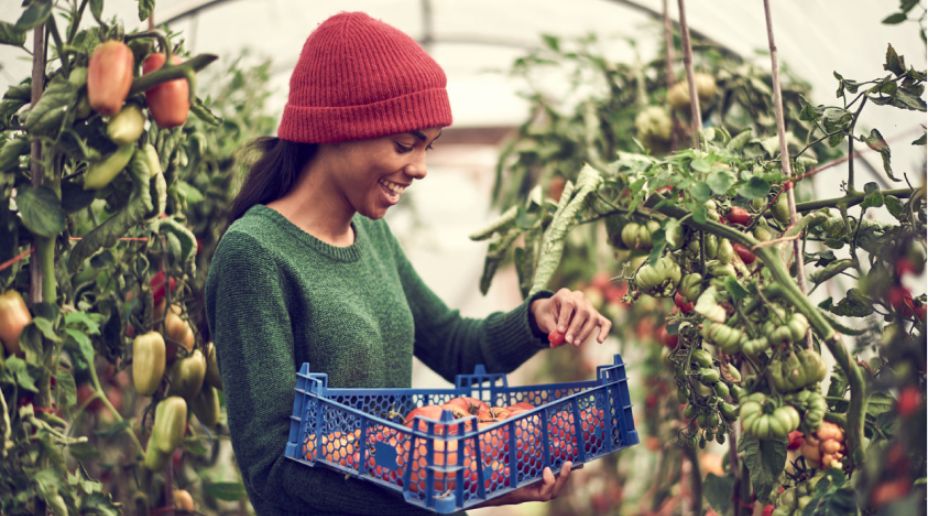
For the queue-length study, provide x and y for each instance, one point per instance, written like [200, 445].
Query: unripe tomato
[168, 102]
[14, 317]
[109, 76]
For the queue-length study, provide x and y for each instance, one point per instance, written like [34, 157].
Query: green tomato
[702, 357]
[781, 209]
[691, 286]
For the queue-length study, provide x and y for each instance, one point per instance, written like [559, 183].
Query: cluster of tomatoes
[450, 445]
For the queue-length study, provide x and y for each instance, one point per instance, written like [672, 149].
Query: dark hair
[273, 174]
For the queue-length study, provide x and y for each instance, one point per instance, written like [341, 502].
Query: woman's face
[373, 174]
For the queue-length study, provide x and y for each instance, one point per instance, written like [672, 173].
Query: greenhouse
[503, 258]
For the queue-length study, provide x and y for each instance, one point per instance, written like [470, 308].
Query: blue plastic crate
[449, 464]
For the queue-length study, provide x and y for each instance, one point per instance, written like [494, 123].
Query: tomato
[781, 208]
[187, 375]
[212, 367]
[183, 501]
[126, 126]
[795, 440]
[158, 287]
[148, 362]
[910, 398]
[170, 424]
[744, 253]
[556, 338]
[889, 491]
[14, 317]
[685, 306]
[109, 76]
[601, 280]
[556, 187]
[428, 412]
[901, 299]
[739, 215]
[178, 331]
[466, 406]
[99, 174]
[168, 102]
[768, 510]
[666, 338]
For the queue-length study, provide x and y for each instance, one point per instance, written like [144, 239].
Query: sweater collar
[344, 254]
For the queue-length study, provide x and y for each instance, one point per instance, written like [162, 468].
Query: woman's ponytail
[273, 174]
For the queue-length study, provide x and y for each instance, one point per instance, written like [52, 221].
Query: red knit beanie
[360, 78]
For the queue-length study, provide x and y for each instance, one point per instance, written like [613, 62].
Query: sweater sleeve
[450, 344]
[247, 313]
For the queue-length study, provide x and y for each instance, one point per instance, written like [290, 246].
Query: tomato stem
[170, 72]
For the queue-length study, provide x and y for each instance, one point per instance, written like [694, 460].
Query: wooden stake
[785, 161]
[695, 113]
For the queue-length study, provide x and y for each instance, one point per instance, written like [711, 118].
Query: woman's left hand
[572, 315]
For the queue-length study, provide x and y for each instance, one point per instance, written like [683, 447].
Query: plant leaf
[766, 460]
[40, 210]
[34, 15]
[11, 35]
[894, 19]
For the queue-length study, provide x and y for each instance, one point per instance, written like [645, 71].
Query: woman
[309, 272]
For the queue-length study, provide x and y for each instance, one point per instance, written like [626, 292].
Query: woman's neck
[316, 207]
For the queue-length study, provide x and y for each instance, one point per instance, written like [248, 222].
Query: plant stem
[695, 113]
[36, 288]
[76, 21]
[101, 395]
[669, 60]
[170, 72]
[59, 45]
[850, 146]
[851, 199]
[695, 478]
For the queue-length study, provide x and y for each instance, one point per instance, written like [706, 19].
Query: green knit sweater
[277, 297]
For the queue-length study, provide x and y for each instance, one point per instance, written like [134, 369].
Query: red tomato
[908, 402]
[795, 440]
[109, 76]
[744, 253]
[555, 338]
[168, 102]
[685, 306]
[739, 215]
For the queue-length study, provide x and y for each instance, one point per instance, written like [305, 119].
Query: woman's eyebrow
[422, 137]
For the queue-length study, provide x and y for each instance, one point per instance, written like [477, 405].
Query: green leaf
[880, 403]
[228, 491]
[34, 15]
[47, 328]
[765, 459]
[145, 9]
[738, 293]
[96, 8]
[65, 388]
[873, 198]
[20, 370]
[894, 19]
[552, 42]
[89, 321]
[754, 188]
[700, 165]
[190, 192]
[720, 182]
[701, 192]
[920, 140]
[906, 100]
[11, 35]
[856, 304]
[83, 344]
[895, 207]
[40, 210]
[718, 491]
[876, 142]
[894, 62]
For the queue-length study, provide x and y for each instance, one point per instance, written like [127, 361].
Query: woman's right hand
[546, 489]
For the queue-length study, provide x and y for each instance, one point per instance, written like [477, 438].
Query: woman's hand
[572, 315]
[546, 489]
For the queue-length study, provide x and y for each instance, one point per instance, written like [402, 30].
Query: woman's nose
[417, 168]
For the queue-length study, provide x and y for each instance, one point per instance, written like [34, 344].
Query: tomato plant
[717, 230]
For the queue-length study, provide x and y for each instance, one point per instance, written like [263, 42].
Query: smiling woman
[308, 270]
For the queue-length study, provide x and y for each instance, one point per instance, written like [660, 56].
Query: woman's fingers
[565, 305]
[605, 326]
